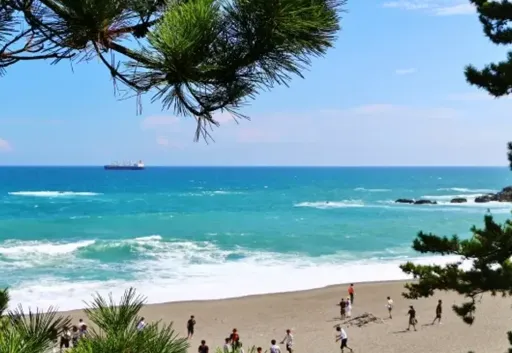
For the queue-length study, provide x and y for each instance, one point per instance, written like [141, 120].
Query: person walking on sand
[274, 348]
[190, 327]
[343, 306]
[348, 308]
[439, 312]
[342, 337]
[389, 305]
[351, 293]
[412, 318]
[288, 341]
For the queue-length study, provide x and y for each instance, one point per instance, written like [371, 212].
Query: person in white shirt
[288, 340]
[348, 308]
[80, 324]
[389, 305]
[274, 348]
[342, 336]
[227, 347]
[141, 324]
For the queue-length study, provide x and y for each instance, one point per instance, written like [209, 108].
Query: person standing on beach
[342, 305]
[227, 346]
[274, 348]
[235, 339]
[439, 312]
[288, 340]
[412, 318]
[203, 348]
[141, 324]
[342, 337]
[348, 308]
[190, 327]
[389, 305]
[75, 335]
[65, 338]
[351, 293]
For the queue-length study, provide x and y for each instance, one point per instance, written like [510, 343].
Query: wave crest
[372, 190]
[331, 204]
[467, 190]
[52, 193]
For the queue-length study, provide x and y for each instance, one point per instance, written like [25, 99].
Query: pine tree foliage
[496, 17]
[197, 56]
[489, 250]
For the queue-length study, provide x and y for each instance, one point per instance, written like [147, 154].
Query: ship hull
[123, 167]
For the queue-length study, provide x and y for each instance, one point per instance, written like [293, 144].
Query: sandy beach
[312, 315]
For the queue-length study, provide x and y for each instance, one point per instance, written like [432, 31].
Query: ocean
[209, 233]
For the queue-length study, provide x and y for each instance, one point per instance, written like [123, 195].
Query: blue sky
[392, 92]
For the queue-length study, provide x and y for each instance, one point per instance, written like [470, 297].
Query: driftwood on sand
[362, 320]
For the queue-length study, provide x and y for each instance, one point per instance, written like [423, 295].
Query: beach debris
[363, 320]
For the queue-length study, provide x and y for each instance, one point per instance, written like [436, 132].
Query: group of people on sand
[233, 343]
[346, 303]
[413, 321]
[70, 337]
[346, 312]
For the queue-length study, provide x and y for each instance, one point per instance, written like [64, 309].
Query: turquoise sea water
[191, 233]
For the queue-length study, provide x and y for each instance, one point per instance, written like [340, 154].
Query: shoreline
[312, 315]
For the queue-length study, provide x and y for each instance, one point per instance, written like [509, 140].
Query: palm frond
[112, 317]
[39, 327]
[4, 300]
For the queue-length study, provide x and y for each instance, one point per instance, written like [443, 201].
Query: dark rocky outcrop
[486, 198]
[404, 201]
[505, 195]
[425, 202]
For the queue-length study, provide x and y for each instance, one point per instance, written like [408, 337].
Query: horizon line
[255, 166]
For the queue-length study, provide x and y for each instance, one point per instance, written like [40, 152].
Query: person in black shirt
[203, 348]
[439, 312]
[412, 318]
[190, 326]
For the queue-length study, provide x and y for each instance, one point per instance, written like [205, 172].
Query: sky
[391, 92]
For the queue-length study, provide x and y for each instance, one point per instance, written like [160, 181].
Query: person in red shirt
[351, 293]
[235, 339]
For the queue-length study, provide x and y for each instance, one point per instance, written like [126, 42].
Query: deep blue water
[183, 233]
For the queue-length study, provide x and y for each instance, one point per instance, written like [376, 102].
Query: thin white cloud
[5, 146]
[434, 7]
[459, 9]
[408, 71]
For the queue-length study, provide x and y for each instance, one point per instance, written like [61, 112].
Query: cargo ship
[125, 166]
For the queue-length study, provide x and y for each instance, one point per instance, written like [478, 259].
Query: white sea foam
[200, 270]
[212, 193]
[372, 190]
[467, 190]
[52, 193]
[22, 250]
[331, 204]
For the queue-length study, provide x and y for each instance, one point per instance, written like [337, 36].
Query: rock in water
[486, 198]
[459, 200]
[404, 201]
[425, 202]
